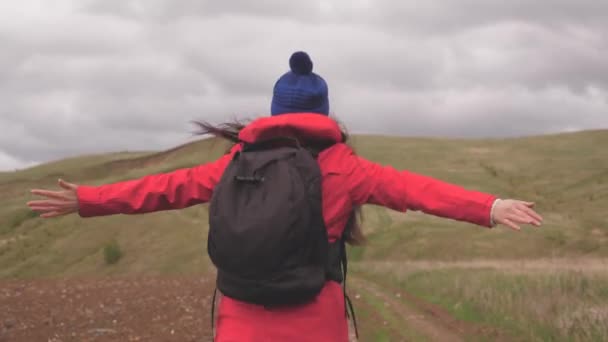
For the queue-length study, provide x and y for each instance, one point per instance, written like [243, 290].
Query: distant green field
[565, 174]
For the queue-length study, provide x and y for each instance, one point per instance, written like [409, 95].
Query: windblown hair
[230, 131]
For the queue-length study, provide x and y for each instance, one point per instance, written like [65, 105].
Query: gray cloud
[94, 76]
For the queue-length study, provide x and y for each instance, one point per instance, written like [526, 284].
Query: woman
[300, 109]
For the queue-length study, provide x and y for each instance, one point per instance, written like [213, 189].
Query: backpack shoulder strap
[344, 261]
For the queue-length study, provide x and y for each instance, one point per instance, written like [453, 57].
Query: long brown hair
[230, 131]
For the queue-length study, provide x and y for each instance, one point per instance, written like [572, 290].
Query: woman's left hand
[58, 203]
[512, 213]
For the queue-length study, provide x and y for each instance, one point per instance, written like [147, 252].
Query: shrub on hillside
[112, 252]
[18, 218]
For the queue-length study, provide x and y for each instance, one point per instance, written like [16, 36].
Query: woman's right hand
[57, 203]
[512, 213]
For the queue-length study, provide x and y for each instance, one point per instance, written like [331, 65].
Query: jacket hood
[304, 126]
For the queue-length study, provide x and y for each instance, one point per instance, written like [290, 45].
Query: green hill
[566, 174]
[538, 284]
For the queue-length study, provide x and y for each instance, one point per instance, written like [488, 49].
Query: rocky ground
[179, 309]
[131, 309]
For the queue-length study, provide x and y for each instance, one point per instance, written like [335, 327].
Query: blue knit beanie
[300, 90]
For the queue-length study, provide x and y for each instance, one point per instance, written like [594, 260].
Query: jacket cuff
[88, 197]
[492, 223]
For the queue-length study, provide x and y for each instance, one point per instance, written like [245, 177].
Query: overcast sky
[82, 76]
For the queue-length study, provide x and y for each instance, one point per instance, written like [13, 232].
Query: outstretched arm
[403, 190]
[174, 190]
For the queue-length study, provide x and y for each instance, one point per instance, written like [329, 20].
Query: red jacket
[348, 181]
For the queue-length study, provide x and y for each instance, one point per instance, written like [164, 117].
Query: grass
[17, 218]
[565, 174]
[159, 243]
[556, 305]
[389, 321]
[370, 323]
[376, 322]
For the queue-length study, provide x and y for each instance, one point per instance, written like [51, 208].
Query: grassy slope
[567, 175]
[167, 242]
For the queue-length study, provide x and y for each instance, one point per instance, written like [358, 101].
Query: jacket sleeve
[174, 190]
[403, 190]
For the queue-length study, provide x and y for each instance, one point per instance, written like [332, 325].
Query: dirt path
[588, 265]
[178, 309]
[427, 322]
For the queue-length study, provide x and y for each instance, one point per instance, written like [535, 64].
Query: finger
[50, 214]
[529, 204]
[528, 210]
[521, 216]
[49, 193]
[511, 225]
[51, 203]
[40, 202]
[55, 213]
[66, 185]
[532, 213]
[48, 209]
[43, 208]
[537, 219]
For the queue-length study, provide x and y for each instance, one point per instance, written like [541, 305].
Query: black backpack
[267, 236]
